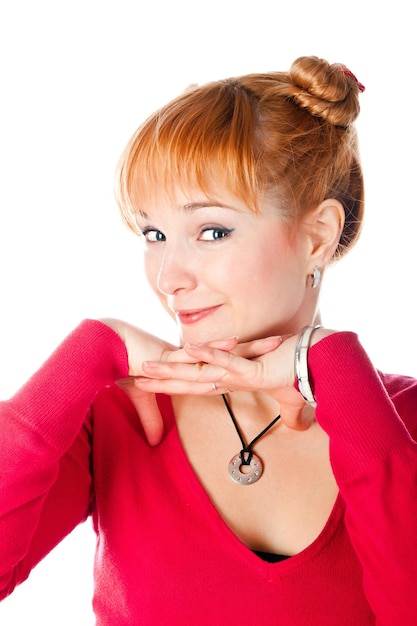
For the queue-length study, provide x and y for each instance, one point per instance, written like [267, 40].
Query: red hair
[285, 135]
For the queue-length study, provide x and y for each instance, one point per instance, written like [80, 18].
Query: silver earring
[316, 277]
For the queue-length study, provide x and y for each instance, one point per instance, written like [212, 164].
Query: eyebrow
[194, 206]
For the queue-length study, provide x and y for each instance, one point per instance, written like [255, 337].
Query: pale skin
[239, 287]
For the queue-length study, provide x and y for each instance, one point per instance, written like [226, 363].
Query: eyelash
[224, 232]
[146, 232]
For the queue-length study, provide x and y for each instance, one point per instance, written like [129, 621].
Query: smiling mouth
[192, 317]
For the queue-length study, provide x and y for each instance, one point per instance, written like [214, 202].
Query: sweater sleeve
[45, 448]
[374, 460]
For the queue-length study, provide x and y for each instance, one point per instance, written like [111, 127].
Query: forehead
[189, 200]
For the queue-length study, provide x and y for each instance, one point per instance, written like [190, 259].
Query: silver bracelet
[301, 366]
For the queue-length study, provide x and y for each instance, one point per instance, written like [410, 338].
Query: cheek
[151, 267]
[274, 270]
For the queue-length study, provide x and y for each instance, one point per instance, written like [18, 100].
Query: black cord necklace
[246, 456]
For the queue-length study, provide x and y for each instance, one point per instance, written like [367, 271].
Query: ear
[324, 227]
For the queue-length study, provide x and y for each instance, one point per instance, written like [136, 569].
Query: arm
[374, 461]
[45, 448]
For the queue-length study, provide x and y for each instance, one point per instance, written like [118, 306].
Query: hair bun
[329, 91]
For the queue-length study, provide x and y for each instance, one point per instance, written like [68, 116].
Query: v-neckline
[187, 472]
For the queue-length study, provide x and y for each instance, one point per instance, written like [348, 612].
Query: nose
[176, 271]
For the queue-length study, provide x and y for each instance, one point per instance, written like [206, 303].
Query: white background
[77, 78]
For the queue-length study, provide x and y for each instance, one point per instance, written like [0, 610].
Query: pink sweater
[164, 555]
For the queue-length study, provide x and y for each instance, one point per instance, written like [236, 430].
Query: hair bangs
[202, 140]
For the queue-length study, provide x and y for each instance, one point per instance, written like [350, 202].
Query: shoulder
[403, 392]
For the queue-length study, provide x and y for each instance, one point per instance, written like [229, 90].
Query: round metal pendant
[256, 469]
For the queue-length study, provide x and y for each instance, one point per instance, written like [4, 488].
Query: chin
[194, 335]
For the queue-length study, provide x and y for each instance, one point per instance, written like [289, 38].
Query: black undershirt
[269, 557]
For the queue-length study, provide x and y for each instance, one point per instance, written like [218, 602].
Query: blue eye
[215, 233]
[152, 235]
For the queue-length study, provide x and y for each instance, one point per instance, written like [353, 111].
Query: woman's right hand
[140, 347]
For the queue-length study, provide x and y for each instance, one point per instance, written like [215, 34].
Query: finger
[222, 367]
[248, 350]
[191, 372]
[150, 418]
[179, 355]
[253, 349]
[222, 344]
[295, 419]
[297, 415]
[226, 366]
[181, 387]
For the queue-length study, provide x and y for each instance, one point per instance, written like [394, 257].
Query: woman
[261, 471]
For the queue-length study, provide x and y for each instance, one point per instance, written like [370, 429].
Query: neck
[253, 410]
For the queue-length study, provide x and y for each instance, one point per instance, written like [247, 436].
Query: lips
[195, 315]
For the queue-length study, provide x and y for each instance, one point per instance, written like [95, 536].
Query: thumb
[295, 413]
[147, 409]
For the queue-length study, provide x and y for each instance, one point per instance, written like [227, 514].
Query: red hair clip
[347, 72]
